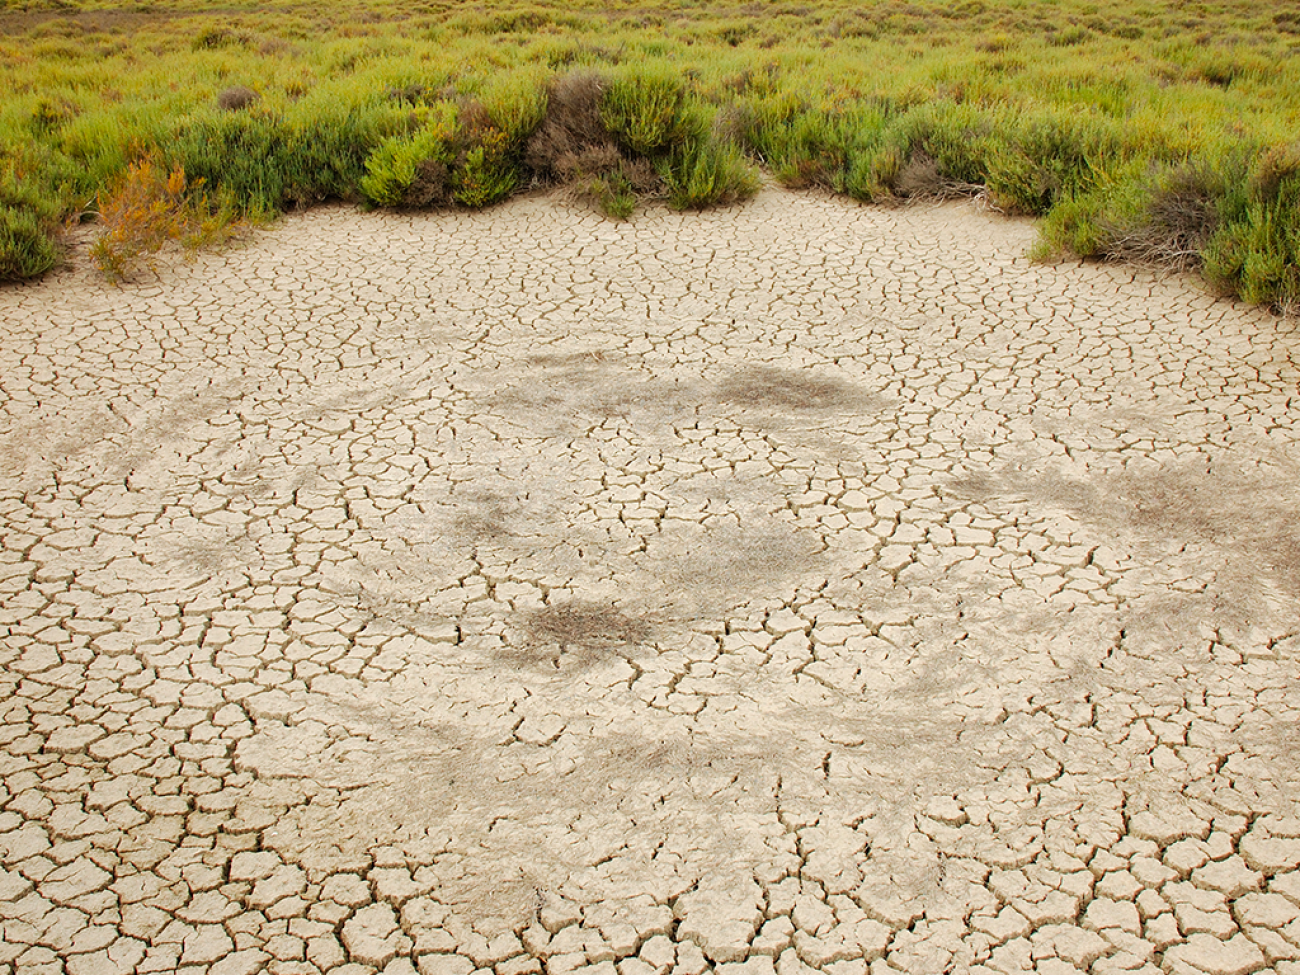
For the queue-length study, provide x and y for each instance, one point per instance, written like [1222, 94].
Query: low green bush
[644, 109]
[412, 170]
[239, 155]
[28, 246]
[960, 138]
[614, 193]
[1256, 250]
[326, 146]
[1155, 216]
[484, 176]
[516, 103]
[1044, 156]
[705, 172]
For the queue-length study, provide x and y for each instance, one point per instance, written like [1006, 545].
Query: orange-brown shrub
[150, 207]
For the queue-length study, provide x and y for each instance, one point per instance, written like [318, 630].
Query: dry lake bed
[799, 585]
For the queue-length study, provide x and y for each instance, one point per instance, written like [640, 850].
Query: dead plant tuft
[572, 141]
[431, 186]
[1178, 222]
[920, 178]
[150, 207]
[1279, 165]
[237, 99]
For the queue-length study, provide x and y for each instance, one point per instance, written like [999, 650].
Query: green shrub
[240, 155]
[1048, 156]
[325, 149]
[615, 194]
[762, 122]
[1161, 217]
[644, 110]
[1070, 37]
[99, 145]
[516, 103]
[1256, 249]
[484, 177]
[412, 171]
[1256, 257]
[704, 173]
[35, 181]
[263, 160]
[28, 247]
[875, 171]
[813, 150]
[959, 138]
[831, 148]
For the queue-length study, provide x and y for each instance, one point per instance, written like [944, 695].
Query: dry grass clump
[573, 146]
[921, 178]
[572, 141]
[1172, 229]
[150, 207]
[237, 98]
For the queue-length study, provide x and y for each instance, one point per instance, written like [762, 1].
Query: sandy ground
[797, 585]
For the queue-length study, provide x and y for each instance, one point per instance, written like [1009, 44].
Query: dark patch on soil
[586, 625]
[483, 516]
[578, 633]
[769, 388]
[1252, 517]
[559, 387]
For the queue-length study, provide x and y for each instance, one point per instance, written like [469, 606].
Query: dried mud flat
[794, 586]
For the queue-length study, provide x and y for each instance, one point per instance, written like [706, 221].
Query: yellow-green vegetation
[1165, 132]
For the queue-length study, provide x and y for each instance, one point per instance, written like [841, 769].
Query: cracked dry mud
[798, 586]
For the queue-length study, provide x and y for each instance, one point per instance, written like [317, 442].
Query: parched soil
[799, 585]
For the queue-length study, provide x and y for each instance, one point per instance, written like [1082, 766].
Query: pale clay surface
[797, 586]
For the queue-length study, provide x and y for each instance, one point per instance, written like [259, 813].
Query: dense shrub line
[1142, 162]
[615, 137]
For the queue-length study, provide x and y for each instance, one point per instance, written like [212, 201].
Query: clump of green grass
[31, 205]
[644, 109]
[1046, 156]
[240, 154]
[1255, 251]
[484, 173]
[703, 171]
[1232, 218]
[412, 170]
[615, 193]
[620, 138]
